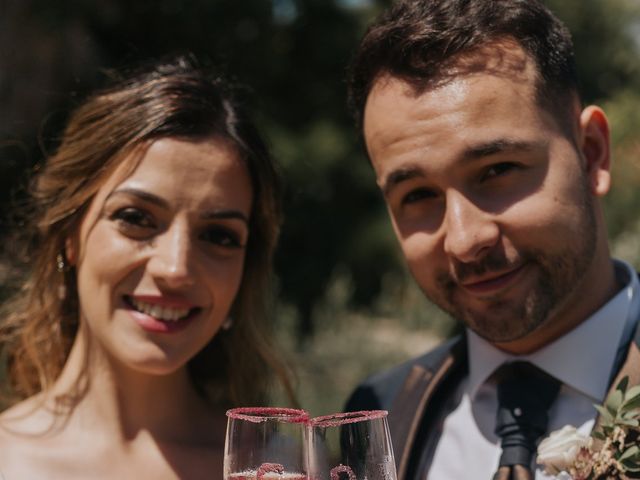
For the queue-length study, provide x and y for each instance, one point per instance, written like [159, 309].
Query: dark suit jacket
[418, 396]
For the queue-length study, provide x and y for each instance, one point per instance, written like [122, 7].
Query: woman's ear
[71, 250]
[594, 143]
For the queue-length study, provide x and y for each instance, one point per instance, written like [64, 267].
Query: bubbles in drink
[385, 471]
[342, 472]
[253, 475]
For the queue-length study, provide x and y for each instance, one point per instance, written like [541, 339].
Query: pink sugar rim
[262, 414]
[337, 419]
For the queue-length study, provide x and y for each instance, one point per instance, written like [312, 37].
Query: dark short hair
[417, 40]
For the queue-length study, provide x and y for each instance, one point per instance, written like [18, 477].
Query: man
[493, 175]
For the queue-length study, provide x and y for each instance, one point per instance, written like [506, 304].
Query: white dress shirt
[583, 360]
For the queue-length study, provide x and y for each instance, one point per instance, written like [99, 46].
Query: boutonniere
[612, 452]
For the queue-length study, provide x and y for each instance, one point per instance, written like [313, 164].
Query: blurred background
[346, 305]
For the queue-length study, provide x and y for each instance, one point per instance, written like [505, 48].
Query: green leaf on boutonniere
[627, 414]
[614, 401]
[628, 423]
[605, 416]
[631, 468]
[623, 384]
[630, 452]
[633, 392]
[632, 399]
[630, 459]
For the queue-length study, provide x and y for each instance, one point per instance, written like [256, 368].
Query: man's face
[489, 196]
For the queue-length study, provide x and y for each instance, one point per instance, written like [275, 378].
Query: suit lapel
[409, 406]
[630, 368]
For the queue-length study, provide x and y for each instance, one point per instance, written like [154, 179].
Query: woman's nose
[171, 261]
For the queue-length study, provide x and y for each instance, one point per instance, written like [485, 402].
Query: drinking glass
[351, 446]
[266, 444]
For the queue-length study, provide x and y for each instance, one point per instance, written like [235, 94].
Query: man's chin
[495, 329]
[499, 338]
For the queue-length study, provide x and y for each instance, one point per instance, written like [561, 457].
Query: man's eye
[417, 195]
[130, 217]
[498, 169]
[223, 237]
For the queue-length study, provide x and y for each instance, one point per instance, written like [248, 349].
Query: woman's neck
[101, 393]
[112, 421]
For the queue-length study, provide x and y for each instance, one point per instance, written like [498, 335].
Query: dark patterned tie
[525, 394]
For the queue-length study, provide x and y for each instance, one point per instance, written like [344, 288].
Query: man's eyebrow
[161, 202]
[400, 175]
[474, 152]
[499, 146]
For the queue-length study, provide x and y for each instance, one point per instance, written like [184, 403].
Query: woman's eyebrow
[226, 214]
[221, 214]
[141, 194]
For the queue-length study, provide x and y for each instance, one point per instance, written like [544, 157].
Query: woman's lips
[161, 314]
[171, 301]
[492, 283]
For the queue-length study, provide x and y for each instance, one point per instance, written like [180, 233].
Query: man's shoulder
[379, 390]
[430, 360]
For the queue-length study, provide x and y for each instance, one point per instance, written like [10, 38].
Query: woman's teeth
[166, 314]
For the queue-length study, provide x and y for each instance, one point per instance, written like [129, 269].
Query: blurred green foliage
[338, 264]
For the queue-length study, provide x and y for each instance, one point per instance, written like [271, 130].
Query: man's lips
[492, 282]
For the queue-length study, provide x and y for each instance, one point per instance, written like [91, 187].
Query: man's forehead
[502, 58]
[496, 66]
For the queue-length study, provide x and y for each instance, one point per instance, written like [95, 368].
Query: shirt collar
[580, 358]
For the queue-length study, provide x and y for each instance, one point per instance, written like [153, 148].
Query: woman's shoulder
[27, 417]
[27, 439]
[22, 426]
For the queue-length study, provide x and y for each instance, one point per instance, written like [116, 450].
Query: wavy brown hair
[174, 98]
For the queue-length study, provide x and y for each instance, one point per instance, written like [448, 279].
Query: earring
[227, 324]
[61, 265]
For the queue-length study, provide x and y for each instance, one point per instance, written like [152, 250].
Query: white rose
[557, 452]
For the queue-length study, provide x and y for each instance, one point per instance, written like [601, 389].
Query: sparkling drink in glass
[266, 444]
[351, 446]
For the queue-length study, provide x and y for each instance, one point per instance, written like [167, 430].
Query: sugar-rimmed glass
[266, 443]
[351, 446]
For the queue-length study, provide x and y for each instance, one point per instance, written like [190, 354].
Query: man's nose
[171, 262]
[470, 232]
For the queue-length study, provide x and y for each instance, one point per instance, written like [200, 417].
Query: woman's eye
[223, 237]
[417, 195]
[133, 217]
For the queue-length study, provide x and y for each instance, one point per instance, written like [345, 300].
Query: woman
[140, 320]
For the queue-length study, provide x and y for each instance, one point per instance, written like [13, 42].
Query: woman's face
[159, 254]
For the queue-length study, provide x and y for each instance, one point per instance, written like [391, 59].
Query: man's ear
[595, 146]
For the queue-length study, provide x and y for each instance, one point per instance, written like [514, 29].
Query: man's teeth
[167, 314]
